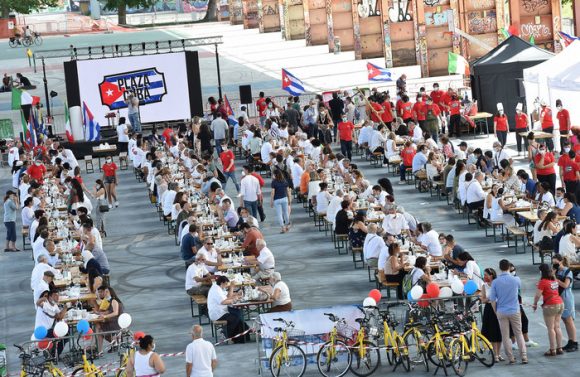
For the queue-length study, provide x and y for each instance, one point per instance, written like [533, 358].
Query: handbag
[103, 208]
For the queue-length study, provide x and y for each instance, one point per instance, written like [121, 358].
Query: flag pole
[368, 103]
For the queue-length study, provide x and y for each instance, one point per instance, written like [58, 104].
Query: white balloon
[445, 292]
[457, 286]
[60, 329]
[125, 320]
[416, 292]
[369, 301]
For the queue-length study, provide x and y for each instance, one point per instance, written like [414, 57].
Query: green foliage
[24, 6]
[115, 4]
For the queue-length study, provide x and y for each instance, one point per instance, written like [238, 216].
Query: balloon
[513, 30]
[416, 292]
[369, 301]
[457, 287]
[445, 292]
[433, 290]
[409, 297]
[125, 320]
[45, 344]
[60, 329]
[138, 335]
[470, 287]
[89, 333]
[83, 326]
[376, 295]
[423, 301]
[40, 332]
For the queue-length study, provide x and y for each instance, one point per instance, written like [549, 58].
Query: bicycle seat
[331, 317]
[278, 320]
[360, 320]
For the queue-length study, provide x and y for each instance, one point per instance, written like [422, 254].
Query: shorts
[553, 310]
[568, 306]
[110, 179]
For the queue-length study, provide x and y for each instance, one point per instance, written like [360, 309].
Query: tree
[23, 6]
[121, 7]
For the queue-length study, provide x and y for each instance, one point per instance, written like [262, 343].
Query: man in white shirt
[500, 154]
[417, 133]
[372, 246]
[197, 278]
[265, 152]
[364, 136]
[378, 139]
[68, 156]
[122, 135]
[334, 205]
[394, 223]
[266, 261]
[249, 191]
[378, 196]
[43, 285]
[323, 198]
[430, 241]
[217, 307]
[297, 170]
[200, 356]
[47, 313]
[132, 144]
[14, 154]
[461, 152]
[474, 194]
[212, 259]
[168, 197]
[38, 271]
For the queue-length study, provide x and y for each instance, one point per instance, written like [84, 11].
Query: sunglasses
[209, 244]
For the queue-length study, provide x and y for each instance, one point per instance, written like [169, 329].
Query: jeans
[346, 148]
[403, 171]
[231, 175]
[454, 123]
[252, 207]
[262, 120]
[515, 320]
[10, 230]
[218, 146]
[135, 122]
[281, 206]
[520, 138]
[235, 324]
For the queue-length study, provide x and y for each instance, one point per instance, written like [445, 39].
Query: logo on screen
[147, 85]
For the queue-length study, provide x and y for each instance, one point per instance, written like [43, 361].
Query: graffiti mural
[268, 10]
[480, 4]
[431, 3]
[537, 31]
[477, 23]
[532, 6]
[388, 45]
[400, 11]
[368, 8]
[436, 19]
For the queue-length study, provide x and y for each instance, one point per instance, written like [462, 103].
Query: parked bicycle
[287, 358]
[334, 357]
[37, 363]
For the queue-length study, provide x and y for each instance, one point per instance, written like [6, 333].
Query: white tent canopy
[565, 85]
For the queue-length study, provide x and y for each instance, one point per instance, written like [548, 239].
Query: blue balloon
[83, 326]
[470, 287]
[40, 332]
[409, 297]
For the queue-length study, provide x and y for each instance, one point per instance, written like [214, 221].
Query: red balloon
[376, 295]
[423, 300]
[433, 290]
[45, 344]
[513, 30]
[88, 334]
[138, 335]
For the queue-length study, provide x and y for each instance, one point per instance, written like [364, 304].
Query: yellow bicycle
[365, 353]
[416, 341]
[395, 347]
[126, 350]
[88, 368]
[463, 350]
[35, 364]
[437, 349]
[334, 357]
[287, 358]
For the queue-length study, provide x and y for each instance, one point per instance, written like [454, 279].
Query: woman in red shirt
[500, 126]
[454, 115]
[564, 121]
[521, 126]
[407, 155]
[544, 163]
[406, 109]
[552, 308]
[111, 182]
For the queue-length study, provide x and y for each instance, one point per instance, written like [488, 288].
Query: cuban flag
[291, 84]
[567, 38]
[92, 129]
[377, 73]
[147, 85]
[231, 118]
[31, 136]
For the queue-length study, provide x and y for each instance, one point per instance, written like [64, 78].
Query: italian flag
[67, 126]
[25, 132]
[458, 65]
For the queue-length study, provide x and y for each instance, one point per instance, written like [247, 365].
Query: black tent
[497, 76]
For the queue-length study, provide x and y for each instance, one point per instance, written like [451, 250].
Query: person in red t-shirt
[436, 94]
[406, 109]
[345, 131]
[552, 308]
[569, 168]
[36, 171]
[419, 110]
[545, 172]
[407, 155]
[563, 121]
[375, 112]
[227, 158]
[110, 180]
[521, 126]
[387, 115]
[454, 108]
[547, 123]
[167, 134]
[261, 106]
[500, 125]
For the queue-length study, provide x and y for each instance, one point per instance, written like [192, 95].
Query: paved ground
[148, 274]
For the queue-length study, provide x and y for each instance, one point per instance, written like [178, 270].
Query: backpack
[407, 283]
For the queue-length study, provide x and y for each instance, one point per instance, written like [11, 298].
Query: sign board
[11, 25]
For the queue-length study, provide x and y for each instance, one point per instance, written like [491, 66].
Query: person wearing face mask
[569, 168]
[544, 163]
[145, 362]
[109, 309]
[563, 121]
[110, 180]
[565, 279]
[37, 171]
[521, 127]
[272, 110]
[500, 125]
[345, 133]
[220, 296]
[489, 323]
[547, 123]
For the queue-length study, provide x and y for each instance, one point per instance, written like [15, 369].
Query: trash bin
[337, 46]
[3, 360]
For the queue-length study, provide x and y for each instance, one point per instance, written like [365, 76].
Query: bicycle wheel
[336, 366]
[483, 351]
[402, 356]
[81, 372]
[458, 358]
[12, 43]
[440, 360]
[38, 40]
[367, 365]
[417, 349]
[26, 42]
[121, 373]
[292, 366]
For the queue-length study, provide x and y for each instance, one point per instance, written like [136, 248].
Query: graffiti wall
[295, 19]
[250, 11]
[236, 12]
[439, 40]
[401, 18]
[538, 20]
[370, 28]
[269, 15]
[480, 19]
[318, 30]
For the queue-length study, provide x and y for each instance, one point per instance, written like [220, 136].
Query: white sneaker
[110, 206]
[514, 346]
[531, 343]
[116, 204]
[402, 182]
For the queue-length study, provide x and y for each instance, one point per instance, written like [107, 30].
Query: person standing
[500, 125]
[521, 127]
[227, 158]
[503, 296]
[569, 168]
[250, 191]
[133, 112]
[123, 135]
[110, 180]
[261, 106]
[489, 323]
[547, 123]
[145, 362]
[454, 115]
[10, 207]
[563, 121]
[219, 128]
[544, 163]
[402, 84]
[345, 133]
[280, 198]
[336, 109]
[565, 280]
[200, 356]
[552, 308]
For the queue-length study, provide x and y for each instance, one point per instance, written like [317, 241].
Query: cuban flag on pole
[92, 129]
[377, 73]
[291, 83]
[567, 38]
[231, 118]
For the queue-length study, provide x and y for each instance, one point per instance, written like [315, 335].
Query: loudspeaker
[246, 94]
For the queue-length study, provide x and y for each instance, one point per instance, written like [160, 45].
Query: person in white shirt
[474, 194]
[250, 191]
[544, 195]
[280, 294]
[265, 152]
[430, 241]
[212, 259]
[200, 356]
[297, 170]
[48, 313]
[461, 152]
[417, 133]
[42, 286]
[14, 154]
[372, 245]
[221, 294]
[38, 271]
[334, 205]
[365, 133]
[122, 135]
[24, 186]
[266, 261]
[323, 198]
[470, 268]
[394, 223]
[168, 198]
[27, 213]
[132, 143]
[197, 278]
[68, 156]
[499, 155]
[378, 139]
[378, 196]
